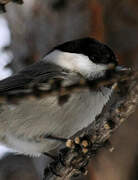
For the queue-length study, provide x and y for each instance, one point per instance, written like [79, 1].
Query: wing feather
[37, 73]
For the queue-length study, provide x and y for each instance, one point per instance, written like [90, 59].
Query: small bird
[24, 127]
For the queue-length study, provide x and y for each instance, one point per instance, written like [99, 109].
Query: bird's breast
[45, 116]
[23, 127]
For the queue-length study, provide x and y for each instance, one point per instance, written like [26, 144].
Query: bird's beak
[121, 68]
[118, 68]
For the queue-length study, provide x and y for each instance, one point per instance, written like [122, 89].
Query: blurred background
[28, 31]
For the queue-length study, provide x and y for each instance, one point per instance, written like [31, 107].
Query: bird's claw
[80, 144]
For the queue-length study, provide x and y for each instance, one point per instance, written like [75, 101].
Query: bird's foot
[51, 137]
[79, 144]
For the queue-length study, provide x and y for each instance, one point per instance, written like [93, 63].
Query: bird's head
[87, 56]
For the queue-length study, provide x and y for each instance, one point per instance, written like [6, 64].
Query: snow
[5, 58]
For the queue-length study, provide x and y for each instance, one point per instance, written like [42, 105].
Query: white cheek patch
[76, 62]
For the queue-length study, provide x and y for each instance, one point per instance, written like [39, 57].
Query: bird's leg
[51, 137]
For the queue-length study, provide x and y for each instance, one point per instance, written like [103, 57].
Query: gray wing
[37, 73]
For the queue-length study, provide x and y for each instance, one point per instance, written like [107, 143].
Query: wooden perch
[122, 105]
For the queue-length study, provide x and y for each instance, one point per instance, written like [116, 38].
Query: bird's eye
[107, 55]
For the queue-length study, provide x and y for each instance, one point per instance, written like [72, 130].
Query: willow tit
[24, 127]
